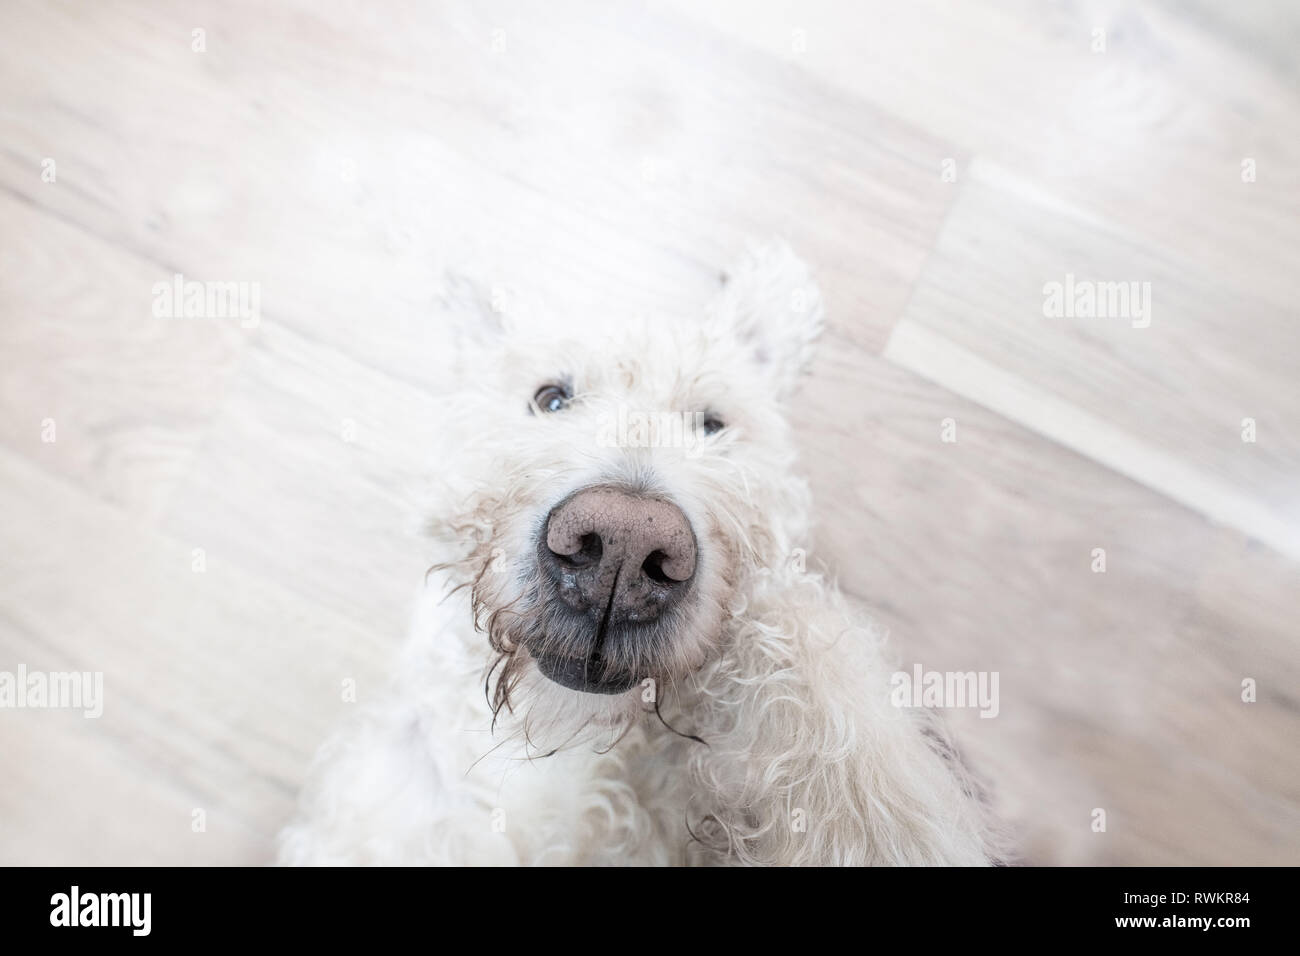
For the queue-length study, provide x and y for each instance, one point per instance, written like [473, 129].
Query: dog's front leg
[380, 794]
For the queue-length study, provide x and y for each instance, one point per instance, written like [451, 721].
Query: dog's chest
[628, 806]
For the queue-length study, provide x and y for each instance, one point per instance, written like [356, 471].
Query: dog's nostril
[589, 551]
[653, 568]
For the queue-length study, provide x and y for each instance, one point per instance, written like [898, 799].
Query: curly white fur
[763, 733]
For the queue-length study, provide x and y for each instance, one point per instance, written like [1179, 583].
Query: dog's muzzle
[618, 562]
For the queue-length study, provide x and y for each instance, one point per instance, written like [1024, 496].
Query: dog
[619, 656]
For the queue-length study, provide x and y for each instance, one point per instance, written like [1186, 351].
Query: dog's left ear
[772, 309]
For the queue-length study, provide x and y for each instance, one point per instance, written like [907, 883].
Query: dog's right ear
[771, 309]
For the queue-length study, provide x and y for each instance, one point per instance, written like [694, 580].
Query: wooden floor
[938, 163]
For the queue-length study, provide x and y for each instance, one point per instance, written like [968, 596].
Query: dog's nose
[619, 557]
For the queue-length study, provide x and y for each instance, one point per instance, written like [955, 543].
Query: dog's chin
[589, 676]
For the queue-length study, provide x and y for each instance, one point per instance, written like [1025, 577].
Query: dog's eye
[713, 424]
[551, 398]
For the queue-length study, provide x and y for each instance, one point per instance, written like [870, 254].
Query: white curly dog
[616, 660]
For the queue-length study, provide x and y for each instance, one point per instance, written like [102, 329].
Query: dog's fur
[763, 732]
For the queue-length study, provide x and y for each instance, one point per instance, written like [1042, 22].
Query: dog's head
[614, 490]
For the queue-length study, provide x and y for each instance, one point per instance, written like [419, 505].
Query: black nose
[618, 557]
